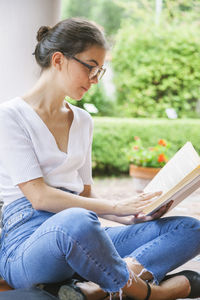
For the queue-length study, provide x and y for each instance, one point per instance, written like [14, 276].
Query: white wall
[19, 22]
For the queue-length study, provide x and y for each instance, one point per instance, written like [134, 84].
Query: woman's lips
[85, 89]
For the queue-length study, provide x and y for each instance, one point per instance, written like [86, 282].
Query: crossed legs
[73, 241]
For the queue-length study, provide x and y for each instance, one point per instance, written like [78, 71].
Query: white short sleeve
[17, 155]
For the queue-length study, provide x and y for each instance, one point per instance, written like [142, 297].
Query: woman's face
[76, 77]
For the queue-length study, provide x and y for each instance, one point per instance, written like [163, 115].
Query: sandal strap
[107, 294]
[148, 291]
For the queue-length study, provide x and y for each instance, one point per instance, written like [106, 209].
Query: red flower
[136, 138]
[135, 147]
[162, 142]
[162, 158]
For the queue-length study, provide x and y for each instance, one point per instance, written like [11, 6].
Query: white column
[19, 22]
[158, 5]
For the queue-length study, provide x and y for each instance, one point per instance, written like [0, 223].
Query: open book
[177, 179]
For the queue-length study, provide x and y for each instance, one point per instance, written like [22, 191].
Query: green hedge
[112, 136]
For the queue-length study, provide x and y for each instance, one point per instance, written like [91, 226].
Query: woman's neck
[45, 95]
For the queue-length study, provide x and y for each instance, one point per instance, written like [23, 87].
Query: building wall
[19, 22]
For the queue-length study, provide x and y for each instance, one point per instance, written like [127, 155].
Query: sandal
[148, 291]
[71, 291]
[194, 280]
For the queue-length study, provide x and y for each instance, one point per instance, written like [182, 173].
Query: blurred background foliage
[153, 65]
[154, 56]
[157, 71]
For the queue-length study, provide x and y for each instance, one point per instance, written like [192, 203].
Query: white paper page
[181, 194]
[181, 164]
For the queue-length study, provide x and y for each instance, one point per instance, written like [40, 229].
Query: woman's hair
[70, 36]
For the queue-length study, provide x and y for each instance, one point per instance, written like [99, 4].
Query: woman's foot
[193, 280]
[77, 290]
[175, 288]
[92, 290]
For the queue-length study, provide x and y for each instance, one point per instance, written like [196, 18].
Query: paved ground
[116, 188]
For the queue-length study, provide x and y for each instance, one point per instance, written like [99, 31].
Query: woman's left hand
[143, 218]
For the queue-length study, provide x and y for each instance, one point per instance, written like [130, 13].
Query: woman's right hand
[134, 205]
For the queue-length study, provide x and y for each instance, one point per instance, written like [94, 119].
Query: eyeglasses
[94, 70]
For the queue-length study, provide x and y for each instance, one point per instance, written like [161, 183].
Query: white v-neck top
[28, 150]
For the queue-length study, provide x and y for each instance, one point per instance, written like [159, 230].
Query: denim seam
[88, 254]
[57, 258]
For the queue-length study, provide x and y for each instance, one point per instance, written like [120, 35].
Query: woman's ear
[57, 60]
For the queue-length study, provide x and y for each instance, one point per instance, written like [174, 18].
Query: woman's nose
[94, 80]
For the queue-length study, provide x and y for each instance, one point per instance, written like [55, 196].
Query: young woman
[50, 216]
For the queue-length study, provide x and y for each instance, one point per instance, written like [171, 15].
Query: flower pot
[142, 176]
[143, 172]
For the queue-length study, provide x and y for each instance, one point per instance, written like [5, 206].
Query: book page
[180, 165]
[180, 195]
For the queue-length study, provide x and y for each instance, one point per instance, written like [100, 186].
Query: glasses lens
[96, 71]
[101, 73]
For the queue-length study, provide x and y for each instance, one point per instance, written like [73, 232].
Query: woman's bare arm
[44, 197]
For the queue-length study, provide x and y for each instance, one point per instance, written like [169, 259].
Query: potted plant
[146, 162]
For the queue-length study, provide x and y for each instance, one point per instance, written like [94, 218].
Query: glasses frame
[103, 70]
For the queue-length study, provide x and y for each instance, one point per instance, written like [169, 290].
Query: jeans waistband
[66, 190]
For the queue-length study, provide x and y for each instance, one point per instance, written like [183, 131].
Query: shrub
[114, 136]
[157, 69]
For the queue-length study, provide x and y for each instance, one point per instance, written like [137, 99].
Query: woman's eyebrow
[94, 61]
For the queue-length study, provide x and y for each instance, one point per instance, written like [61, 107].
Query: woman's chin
[77, 97]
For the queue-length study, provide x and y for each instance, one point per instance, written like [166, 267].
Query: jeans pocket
[17, 219]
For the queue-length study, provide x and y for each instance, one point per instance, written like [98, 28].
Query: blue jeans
[42, 247]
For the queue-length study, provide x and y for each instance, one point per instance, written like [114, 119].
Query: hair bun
[42, 32]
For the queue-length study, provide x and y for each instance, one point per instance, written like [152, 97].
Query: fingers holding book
[141, 217]
[161, 211]
[135, 205]
[146, 196]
